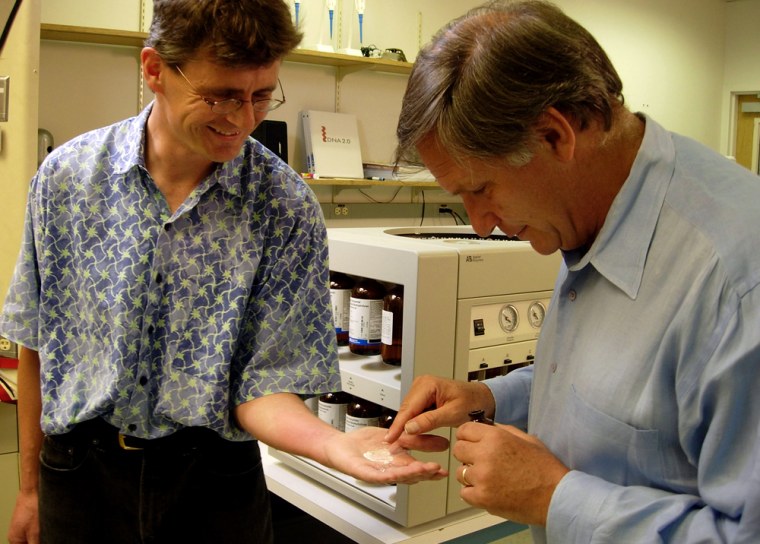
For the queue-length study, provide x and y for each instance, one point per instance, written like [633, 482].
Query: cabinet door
[8, 434]
[8, 489]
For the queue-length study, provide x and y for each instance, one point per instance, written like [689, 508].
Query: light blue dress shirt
[647, 374]
[154, 320]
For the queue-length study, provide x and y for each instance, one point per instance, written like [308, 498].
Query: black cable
[422, 215]
[368, 197]
[454, 215]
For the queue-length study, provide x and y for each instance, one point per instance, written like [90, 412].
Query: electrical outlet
[8, 349]
[341, 209]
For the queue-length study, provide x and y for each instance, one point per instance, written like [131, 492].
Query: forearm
[284, 422]
[29, 409]
[611, 513]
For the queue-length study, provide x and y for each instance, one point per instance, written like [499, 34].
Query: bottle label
[341, 304]
[366, 321]
[333, 414]
[387, 334]
[353, 422]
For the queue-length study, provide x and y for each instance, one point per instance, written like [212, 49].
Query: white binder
[331, 141]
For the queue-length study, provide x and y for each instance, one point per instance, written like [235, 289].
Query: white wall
[19, 59]
[669, 54]
[742, 61]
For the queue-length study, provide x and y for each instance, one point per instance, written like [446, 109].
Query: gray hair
[483, 82]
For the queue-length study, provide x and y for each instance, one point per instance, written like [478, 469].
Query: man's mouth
[225, 133]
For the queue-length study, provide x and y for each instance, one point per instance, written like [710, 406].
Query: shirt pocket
[613, 450]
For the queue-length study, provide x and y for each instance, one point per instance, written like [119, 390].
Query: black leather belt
[97, 431]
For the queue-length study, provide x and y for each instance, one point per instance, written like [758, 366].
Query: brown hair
[485, 79]
[231, 32]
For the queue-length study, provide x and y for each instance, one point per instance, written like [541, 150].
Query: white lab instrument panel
[473, 309]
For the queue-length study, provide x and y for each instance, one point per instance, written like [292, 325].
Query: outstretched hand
[364, 455]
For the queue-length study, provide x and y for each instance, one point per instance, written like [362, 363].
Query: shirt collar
[620, 250]
[132, 154]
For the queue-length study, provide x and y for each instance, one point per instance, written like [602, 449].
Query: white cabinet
[455, 287]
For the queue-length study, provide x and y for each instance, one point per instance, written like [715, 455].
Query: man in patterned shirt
[171, 300]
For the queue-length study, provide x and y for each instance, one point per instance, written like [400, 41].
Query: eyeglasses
[230, 105]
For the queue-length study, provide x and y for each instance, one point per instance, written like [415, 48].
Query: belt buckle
[123, 444]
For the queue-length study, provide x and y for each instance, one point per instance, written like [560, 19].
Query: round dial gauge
[536, 314]
[508, 318]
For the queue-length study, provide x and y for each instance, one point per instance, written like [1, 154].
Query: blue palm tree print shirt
[155, 321]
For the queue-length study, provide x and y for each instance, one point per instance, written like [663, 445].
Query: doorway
[756, 147]
[747, 137]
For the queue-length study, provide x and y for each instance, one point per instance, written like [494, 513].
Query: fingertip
[412, 427]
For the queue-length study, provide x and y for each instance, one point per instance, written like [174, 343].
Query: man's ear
[558, 133]
[152, 67]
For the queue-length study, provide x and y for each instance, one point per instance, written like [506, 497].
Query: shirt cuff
[575, 506]
[512, 396]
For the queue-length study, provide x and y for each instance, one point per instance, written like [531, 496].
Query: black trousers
[190, 487]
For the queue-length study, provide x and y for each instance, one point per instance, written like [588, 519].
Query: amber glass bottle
[366, 317]
[362, 413]
[387, 418]
[393, 313]
[333, 407]
[340, 296]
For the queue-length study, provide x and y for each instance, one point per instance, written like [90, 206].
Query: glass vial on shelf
[362, 413]
[393, 312]
[366, 317]
[340, 297]
[333, 407]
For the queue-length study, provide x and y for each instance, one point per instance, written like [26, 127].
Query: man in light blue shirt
[642, 407]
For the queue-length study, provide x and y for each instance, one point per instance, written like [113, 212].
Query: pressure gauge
[536, 314]
[508, 318]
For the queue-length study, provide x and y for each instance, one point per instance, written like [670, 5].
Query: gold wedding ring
[464, 476]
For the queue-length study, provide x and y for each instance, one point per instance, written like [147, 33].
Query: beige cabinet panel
[116, 14]
[8, 489]
[8, 434]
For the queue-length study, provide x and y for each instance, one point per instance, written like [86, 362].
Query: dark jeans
[191, 487]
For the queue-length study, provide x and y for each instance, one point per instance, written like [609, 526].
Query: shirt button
[131, 427]
[151, 329]
[168, 227]
[143, 380]
[159, 278]
[572, 295]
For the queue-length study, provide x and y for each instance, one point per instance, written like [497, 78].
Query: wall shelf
[374, 183]
[104, 36]
[344, 64]
[100, 36]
